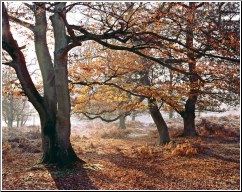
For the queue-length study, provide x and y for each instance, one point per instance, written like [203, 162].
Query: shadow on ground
[74, 178]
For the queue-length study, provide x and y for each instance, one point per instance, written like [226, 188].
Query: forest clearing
[117, 160]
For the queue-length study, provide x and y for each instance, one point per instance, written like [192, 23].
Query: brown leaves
[132, 163]
[185, 149]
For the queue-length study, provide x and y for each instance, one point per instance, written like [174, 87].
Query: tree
[122, 122]
[14, 105]
[8, 99]
[91, 95]
[54, 106]
[193, 40]
[15, 108]
[112, 82]
[184, 37]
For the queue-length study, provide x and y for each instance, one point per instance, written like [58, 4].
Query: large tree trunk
[65, 152]
[189, 125]
[159, 122]
[48, 118]
[48, 137]
[55, 131]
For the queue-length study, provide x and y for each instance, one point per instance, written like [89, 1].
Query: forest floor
[131, 159]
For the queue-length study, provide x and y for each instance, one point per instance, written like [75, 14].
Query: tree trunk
[11, 112]
[159, 122]
[48, 140]
[189, 123]
[23, 120]
[52, 144]
[18, 120]
[55, 131]
[122, 122]
[171, 91]
[189, 114]
[170, 114]
[65, 153]
[133, 116]
[10, 124]
[156, 115]
[48, 118]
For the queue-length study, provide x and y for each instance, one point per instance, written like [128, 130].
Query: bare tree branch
[22, 23]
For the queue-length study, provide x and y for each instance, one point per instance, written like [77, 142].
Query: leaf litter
[210, 161]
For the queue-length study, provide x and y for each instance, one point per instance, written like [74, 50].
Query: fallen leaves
[185, 149]
[132, 163]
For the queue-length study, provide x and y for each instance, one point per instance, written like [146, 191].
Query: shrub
[223, 127]
[26, 145]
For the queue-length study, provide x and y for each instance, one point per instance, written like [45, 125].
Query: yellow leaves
[105, 98]
[76, 108]
[86, 89]
[119, 99]
[167, 108]
[131, 105]
[81, 98]
[140, 105]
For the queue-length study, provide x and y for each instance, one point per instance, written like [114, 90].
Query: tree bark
[189, 114]
[133, 116]
[55, 131]
[170, 114]
[122, 122]
[189, 121]
[10, 114]
[156, 115]
[65, 152]
[18, 120]
[48, 121]
[159, 122]
[170, 90]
